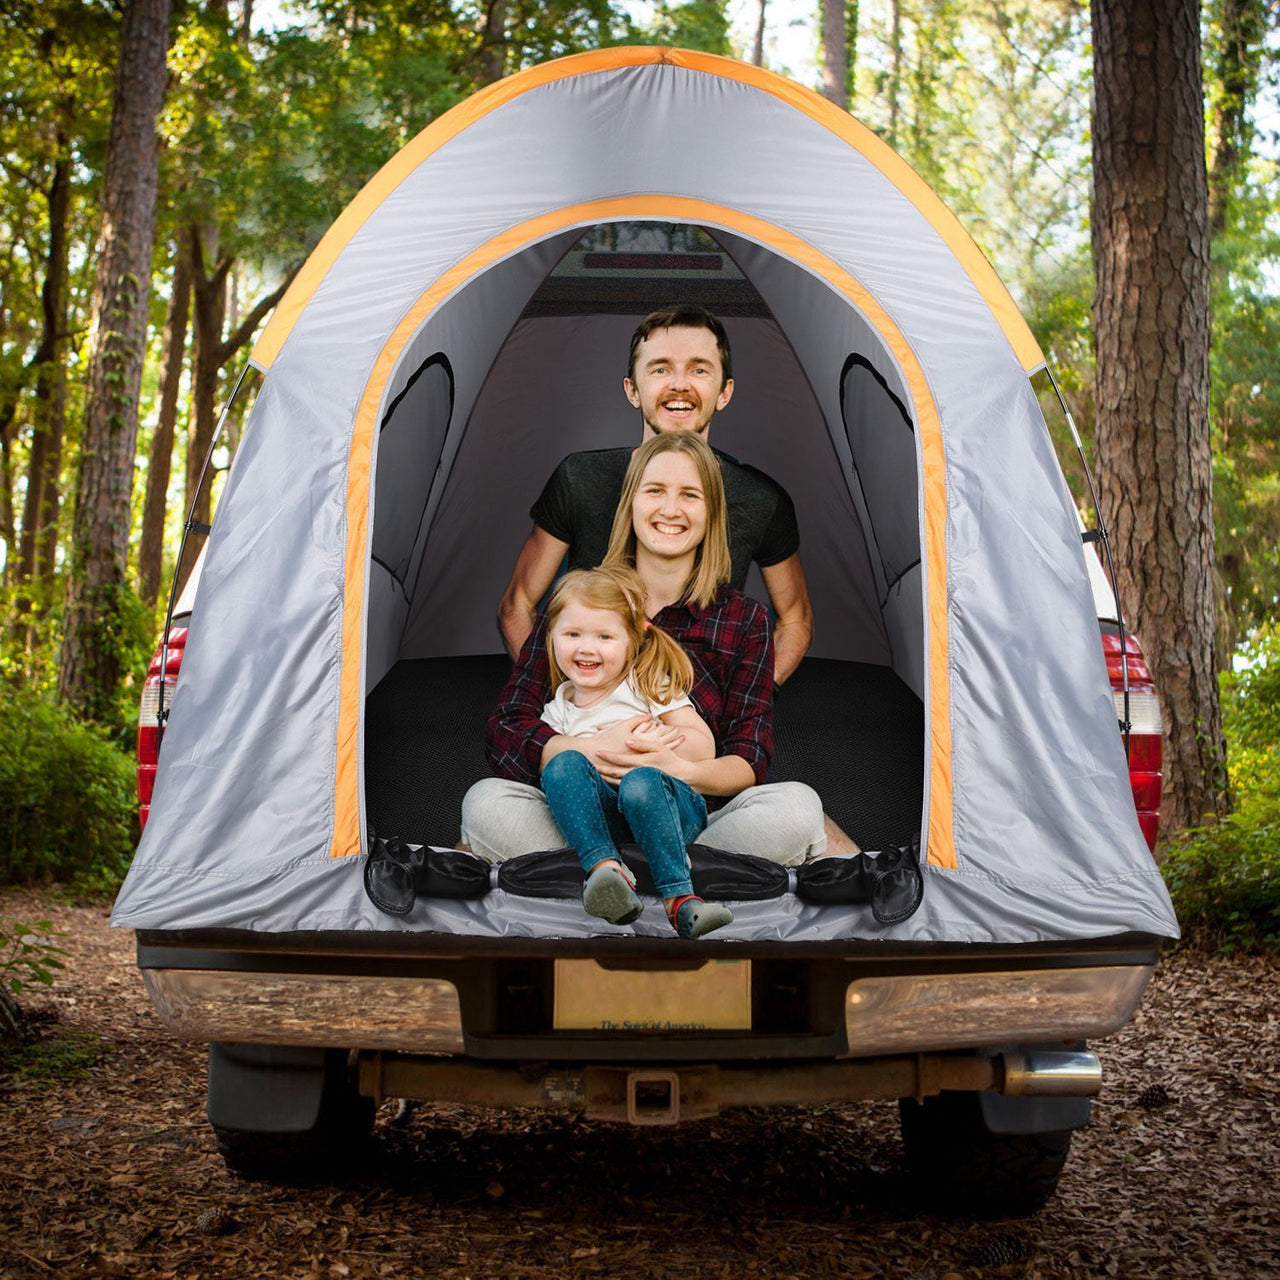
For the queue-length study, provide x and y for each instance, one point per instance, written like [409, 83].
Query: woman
[670, 527]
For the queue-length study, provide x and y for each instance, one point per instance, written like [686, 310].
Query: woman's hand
[635, 742]
[649, 744]
[643, 730]
[622, 746]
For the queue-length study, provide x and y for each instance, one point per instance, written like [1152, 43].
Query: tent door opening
[525, 365]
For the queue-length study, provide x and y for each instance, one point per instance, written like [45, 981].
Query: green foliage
[1245, 372]
[989, 102]
[50, 1061]
[694, 24]
[1225, 878]
[28, 954]
[67, 797]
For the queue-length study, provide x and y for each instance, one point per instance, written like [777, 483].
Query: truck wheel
[956, 1162]
[333, 1133]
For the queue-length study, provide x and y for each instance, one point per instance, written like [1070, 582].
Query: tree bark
[835, 67]
[1151, 254]
[757, 48]
[895, 72]
[493, 43]
[40, 512]
[97, 582]
[209, 314]
[8, 413]
[160, 457]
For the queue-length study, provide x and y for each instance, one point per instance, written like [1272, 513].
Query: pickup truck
[984, 1046]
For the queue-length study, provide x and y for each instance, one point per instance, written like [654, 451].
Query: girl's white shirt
[624, 702]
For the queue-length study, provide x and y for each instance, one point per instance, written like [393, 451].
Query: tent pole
[1100, 535]
[189, 526]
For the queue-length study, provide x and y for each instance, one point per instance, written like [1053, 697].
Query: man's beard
[699, 430]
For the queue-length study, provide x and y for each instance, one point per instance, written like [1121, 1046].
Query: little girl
[609, 664]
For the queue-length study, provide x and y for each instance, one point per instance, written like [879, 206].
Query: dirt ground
[112, 1171]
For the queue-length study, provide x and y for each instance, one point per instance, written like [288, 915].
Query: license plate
[716, 996]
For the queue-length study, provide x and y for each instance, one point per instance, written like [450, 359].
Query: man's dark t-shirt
[578, 502]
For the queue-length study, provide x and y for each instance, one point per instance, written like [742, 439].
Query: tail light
[1144, 726]
[150, 717]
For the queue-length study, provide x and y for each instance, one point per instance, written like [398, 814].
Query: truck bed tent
[464, 324]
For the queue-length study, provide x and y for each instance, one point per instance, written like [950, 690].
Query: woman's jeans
[661, 813]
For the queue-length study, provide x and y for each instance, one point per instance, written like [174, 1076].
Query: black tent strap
[396, 875]
[195, 526]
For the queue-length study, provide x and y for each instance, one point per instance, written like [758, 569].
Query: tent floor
[854, 732]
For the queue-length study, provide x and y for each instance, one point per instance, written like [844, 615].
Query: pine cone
[999, 1250]
[216, 1222]
[1153, 1097]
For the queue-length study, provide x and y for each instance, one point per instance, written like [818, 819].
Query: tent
[447, 342]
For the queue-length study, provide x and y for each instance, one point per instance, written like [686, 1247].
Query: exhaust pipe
[1052, 1073]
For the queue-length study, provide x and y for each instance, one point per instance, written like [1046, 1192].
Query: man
[679, 375]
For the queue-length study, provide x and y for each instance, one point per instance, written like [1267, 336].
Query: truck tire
[956, 1163]
[335, 1136]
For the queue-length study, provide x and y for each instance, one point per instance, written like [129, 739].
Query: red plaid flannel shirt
[731, 647]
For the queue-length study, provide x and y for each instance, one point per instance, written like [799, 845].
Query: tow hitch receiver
[650, 1095]
[653, 1097]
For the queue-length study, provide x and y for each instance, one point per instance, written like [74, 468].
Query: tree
[835, 54]
[757, 43]
[96, 604]
[1151, 256]
[160, 454]
[1242, 26]
[1245, 371]
[493, 42]
[54, 59]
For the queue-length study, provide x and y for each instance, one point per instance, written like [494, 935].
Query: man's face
[679, 381]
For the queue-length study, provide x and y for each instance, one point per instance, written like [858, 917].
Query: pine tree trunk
[835, 69]
[208, 317]
[1151, 253]
[97, 582]
[757, 49]
[8, 415]
[160, 458]
[40, 512]
[895, 72]
[493, 43]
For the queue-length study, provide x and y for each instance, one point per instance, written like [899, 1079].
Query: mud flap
[266, 1088]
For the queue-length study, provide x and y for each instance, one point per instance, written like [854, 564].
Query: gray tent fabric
[423, 377]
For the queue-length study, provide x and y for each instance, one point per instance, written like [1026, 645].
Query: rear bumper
[500, 1004]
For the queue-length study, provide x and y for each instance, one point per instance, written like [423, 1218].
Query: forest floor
[107, 1166]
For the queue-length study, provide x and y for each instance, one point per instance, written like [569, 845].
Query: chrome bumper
[883, 1015]
[913, 1013]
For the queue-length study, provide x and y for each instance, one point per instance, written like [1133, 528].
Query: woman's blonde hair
[712, 567]
[660, 667]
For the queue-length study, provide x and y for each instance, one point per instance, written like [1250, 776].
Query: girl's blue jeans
[659, 812]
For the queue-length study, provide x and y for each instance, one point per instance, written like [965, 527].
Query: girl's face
[591, 649]
[669, 513]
